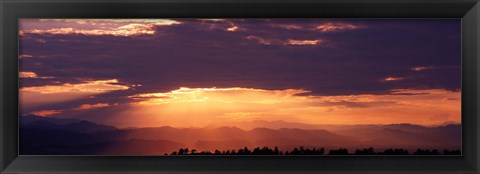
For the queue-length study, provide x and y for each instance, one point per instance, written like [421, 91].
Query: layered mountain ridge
[44, 135]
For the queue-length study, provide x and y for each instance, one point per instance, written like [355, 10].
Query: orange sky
[202, 106]
[197, 107]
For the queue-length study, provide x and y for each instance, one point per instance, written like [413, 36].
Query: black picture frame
[467, 10]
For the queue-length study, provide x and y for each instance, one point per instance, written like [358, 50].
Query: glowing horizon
[203, 105]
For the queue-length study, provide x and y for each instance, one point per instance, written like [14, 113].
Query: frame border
[468, 10]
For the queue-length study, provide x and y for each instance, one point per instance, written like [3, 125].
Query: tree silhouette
[453, 152]
[394, 152]
[314, 151]
[244, 151]
[276, 151]
[340, 151]
[426, 152]
[368, 151]
[182, 151]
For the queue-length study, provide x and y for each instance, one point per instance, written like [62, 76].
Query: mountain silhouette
[43, 135]
[77, 126]
[27, 119]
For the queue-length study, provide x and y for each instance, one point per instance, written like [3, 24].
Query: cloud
[95, 27]
[48, 95]
[95, 86]
[192, 55]
[91, 106]
[425, 68]
[45, 113]
[104, 21]
[295, 42]
[393, 79]
[32, 75]
[28, 75]
[324, 27]
[420, 68]
[409, 92]
[127, 30]
[263, 40]
[213, 20]
[24, 56]
[224, 95]
[336, 27]
[303, 42]
[232, 29]
[200, 54]
[220, 24]
[290, 26]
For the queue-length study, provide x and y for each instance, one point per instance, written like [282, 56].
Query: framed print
[240, 87]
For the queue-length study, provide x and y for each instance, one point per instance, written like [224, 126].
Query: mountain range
[54, 136]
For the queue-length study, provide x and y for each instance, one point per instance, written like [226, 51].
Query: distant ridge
[31, 118]
[73, 125]
[278, 124]
[42, 135]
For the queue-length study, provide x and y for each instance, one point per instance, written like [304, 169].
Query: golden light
[24, 56]
[95, 86]
[114, 27]
[197, 107]
[303, 42]
[159, 22]
[90, 106]
[420, 68]
[45, 113]
[233, 28]
[49, 94]
[128, 30]
[28, 75]
[393, 78]
[334, 27]
[32, 75]
[224, 95]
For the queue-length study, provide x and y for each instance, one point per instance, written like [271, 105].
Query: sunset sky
[198, 72]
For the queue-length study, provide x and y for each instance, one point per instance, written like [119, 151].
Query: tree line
[315, 151]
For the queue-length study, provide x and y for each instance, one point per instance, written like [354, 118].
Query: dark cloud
[205, 54]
